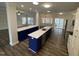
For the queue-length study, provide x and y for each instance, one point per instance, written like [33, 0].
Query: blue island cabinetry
[36, 43]
[22, 35]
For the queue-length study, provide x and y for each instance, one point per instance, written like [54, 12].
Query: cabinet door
[76, 46]
[76, 40]
[34, 44]
[32, 30]
[73, 46]
[70, 45]
[43, 39]
[22, 35]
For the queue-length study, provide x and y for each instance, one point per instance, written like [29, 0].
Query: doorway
[59, 23]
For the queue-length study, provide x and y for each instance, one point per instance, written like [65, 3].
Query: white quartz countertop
[27, 27]
[39, 32]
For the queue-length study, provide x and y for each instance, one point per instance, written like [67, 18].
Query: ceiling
[55, 6]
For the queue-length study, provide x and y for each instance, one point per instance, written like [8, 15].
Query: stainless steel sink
[44, 29]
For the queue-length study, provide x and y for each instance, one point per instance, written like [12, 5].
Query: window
[43, 20]
[59, 22]
[30, 20]
[47, 20]
[24, 20]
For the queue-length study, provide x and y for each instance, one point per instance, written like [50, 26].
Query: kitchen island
[38, 38]
[24, 31]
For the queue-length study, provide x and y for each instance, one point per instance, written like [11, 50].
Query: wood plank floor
[55, 46]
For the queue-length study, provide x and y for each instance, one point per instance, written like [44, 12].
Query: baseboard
[12, 44]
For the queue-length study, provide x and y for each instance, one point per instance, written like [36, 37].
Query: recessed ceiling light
[35, 3]
[48, 11]
[22, 6]
[60, 13]
[47, 6]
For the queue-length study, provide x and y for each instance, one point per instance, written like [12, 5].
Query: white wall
[3, 19]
